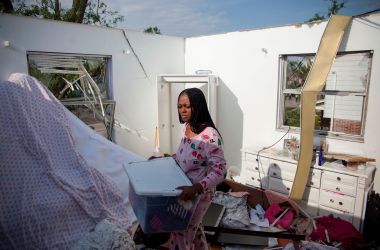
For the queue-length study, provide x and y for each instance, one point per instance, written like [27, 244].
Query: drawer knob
[288, 189]
[311, 183]
[331, 200]
[337, 189]
[256, 168]
[274, 173]
[338, 178]
[340, 203]
[253, 178]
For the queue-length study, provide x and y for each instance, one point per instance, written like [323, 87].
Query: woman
[200, 155]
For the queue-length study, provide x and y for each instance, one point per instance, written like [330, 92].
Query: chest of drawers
[331, 188]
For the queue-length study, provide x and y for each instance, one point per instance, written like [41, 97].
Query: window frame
[282, 91]
[108, 65]
[71, 103]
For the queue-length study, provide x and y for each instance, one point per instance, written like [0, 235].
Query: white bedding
[102, 154]
[58, 178]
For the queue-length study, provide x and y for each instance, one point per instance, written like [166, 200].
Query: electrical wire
[264, 148]
[367, 13]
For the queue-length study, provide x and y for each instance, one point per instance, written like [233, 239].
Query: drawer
[326, 211]
[284, 187]
[243, 156]
[338, 187]
[314, 178]
[255, 167]
[283, 166]
[256, 180]
[339, 179]
[276, 172]
[310, 208]
[311, 195]
[252, 157]
[337, 201]
[245, 172]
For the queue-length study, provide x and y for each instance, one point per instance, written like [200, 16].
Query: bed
[59, 179]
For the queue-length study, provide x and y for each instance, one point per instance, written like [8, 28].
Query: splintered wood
[353, 161]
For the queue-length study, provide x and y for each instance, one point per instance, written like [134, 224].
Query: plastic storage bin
[153, 195]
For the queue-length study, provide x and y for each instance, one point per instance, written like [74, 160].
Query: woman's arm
[215, 159]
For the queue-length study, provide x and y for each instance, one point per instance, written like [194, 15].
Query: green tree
[335, 7]
[6, 6]
[153, 30]
[297, 71]
[316, 17]
[99, 13]
[81, 11]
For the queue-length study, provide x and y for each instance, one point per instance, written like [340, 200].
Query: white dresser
[331, 188]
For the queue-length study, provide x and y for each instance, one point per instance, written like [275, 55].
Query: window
[54, 70]
[81, 83]
[341, 105]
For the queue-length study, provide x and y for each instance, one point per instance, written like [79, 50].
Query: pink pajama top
[202, 158]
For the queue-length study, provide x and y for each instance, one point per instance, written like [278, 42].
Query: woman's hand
[190, 192]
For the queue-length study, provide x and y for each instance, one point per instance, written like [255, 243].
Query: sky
[187, 18]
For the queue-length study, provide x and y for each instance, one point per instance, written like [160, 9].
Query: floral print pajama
[202, 159]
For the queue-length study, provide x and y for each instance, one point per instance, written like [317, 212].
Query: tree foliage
[297, 71]
[335, 7]
[6, 6]
[99, 13]
[316, 17]
[81, 11]
[153, 30]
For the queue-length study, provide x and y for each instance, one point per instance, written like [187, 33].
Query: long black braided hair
[200, 116]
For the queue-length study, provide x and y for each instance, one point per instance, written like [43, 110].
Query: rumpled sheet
[106, 236]
[236, 214]
[105, 156]
[50, 196]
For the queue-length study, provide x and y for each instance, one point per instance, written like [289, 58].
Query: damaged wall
[247, 63]
[133, 92]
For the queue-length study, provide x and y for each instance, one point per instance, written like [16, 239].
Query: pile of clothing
[284, 214]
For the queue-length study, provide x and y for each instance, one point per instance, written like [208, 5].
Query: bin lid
[157, 177]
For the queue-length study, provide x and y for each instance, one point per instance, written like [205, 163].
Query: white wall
[247, 63]
[135, 95]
